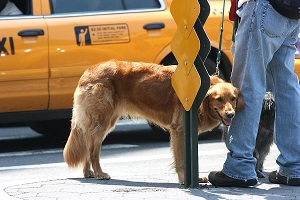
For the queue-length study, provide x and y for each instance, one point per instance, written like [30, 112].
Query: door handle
[31, 32]
[153, 26]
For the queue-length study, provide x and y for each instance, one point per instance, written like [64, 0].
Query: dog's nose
[230, 114]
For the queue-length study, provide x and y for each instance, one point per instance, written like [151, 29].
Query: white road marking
[106, 160]
[54, 151]
[124, 159]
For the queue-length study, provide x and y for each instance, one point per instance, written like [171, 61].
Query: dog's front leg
[177, 145]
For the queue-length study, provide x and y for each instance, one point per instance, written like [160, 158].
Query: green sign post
[190, 80]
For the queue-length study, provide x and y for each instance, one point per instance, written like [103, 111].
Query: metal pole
[187, 147]
[194, 145]
[189, 85]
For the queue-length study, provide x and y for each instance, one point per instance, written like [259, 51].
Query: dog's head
[268, 112]
[222, 100]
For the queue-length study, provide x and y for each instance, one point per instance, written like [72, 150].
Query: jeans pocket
[272, 23]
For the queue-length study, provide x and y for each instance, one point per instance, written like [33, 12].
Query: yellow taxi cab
[45, 49]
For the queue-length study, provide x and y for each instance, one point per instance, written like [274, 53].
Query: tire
[210, 65]
[157, 129]
[53, 128]
[162, 135]
[169, 60]
[211, 69]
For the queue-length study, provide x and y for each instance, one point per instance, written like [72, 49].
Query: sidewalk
[157, 186]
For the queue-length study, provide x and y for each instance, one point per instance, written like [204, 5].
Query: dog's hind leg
[87, 172]
[96, 138]
[263, 144]
[95, 151]
[259, 164]
[93, 158]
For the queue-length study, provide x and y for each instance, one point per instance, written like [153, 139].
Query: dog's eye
[219, 99]
[233, 99]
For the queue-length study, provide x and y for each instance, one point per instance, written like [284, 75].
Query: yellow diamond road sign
[185, 14]
[185, 46]
[186, 86]
[185, 50]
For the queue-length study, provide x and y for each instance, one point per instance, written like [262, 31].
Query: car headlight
[297, 54]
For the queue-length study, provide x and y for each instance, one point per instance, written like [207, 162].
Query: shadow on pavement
[127, 183]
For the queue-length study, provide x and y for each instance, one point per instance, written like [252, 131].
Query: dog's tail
[76, 149]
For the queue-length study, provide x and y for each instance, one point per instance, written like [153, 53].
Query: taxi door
[85, 32]
[23, 63]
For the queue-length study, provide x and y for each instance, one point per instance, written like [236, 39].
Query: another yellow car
[44, 51]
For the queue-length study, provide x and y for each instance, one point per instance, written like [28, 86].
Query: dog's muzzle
[228, 120]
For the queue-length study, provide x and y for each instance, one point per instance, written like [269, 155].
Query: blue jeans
[264, 53]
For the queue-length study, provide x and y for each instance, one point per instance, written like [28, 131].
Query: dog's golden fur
[113, 89]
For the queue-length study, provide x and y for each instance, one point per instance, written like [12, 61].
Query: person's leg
[257, 39]
[249, 74]
[287, 102]
[265, 41]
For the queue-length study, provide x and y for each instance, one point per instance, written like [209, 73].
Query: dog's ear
[240, 104]
[204, 105]
[215, 79]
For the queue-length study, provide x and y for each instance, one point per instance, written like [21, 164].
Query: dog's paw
[203, 179]
[89, 174]
[181, 177]
[260, 174]
[102, 176]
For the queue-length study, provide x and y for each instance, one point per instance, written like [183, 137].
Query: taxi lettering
[3, 49]
[108, 28]
[121, 27]
[102, 34]
[96, 29]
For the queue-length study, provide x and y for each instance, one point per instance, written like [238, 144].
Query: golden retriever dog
[114, 89]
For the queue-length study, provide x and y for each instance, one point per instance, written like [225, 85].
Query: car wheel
[159, 131]
[211, 69]
[57, 128]
[169, 60]
[209, 63]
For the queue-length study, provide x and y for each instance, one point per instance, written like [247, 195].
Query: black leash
[220, 42]
[235, 26]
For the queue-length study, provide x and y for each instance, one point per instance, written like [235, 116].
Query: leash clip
[217, 68]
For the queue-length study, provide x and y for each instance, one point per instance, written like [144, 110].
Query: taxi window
[139, 4]
[17, 7]
[70, 6]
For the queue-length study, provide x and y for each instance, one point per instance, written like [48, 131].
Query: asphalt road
[21, 138]
[27, 157]
[17, 137]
